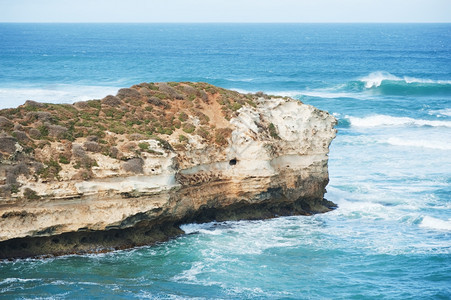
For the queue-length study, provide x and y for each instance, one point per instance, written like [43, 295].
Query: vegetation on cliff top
[39, 139]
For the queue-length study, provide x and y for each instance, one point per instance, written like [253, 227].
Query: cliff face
[128, 169]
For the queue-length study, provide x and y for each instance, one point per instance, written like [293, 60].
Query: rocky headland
[128, 169]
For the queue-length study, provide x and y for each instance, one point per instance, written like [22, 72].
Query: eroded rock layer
[128, 169]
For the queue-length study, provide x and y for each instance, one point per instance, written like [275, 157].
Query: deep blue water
[390, 165]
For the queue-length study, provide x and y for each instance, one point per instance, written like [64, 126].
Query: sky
[237, 11]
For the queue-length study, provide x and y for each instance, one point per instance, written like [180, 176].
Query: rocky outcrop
[128, 169]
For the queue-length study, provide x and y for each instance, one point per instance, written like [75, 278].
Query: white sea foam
[384, 120]
[13, 97]
[231, 234]
[408, 79]
[326, 94]
[441, 145]
[190, 274]
[375, 79]
[239, 79]
[256, 292]
[434, 223]
[446, 112]
[199, 268]
[13, 280]
[206, 228]
[362, 209]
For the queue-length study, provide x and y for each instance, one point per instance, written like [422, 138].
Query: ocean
[389, 86]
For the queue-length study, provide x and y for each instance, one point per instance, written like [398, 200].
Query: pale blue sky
[225, 11]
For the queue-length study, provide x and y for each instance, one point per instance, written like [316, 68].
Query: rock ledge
[128, 169]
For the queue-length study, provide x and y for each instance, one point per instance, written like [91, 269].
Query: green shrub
[161, 96]
[86, 116]
[202, 132]
[251, 103]
[151, 151]
[144, 146]
[168, 131]
[85, 163]
[152, 86]
[43, 130]
[189, 128]
[221, 136]
[50, 171]
[273, 131]
[14, 189]
[94, 104]
[177, 124]
[78, 134]
[29, 194]
[183, 117]
[118, 128]
[236, 106]
[164, 144]
[64, 160]
[183, 138]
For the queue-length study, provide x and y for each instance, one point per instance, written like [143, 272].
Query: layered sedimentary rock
[128, 169]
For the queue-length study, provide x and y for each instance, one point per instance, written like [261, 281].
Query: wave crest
[376, 79]
[384, 83]
[384, 120]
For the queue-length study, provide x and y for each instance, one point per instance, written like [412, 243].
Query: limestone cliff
[128, 169]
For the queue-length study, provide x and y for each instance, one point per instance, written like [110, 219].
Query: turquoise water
[390, 165]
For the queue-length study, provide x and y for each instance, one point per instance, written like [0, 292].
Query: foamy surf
[385, 120]
[326, 94]
[440, 145]
[434, 223]
[375, 79]
[446, 112]
[205, 228]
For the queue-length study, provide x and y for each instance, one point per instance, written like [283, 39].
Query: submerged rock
[157, 156]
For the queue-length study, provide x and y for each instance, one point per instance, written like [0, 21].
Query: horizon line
[120, 22]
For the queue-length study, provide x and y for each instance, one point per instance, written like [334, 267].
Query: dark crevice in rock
[258, 211]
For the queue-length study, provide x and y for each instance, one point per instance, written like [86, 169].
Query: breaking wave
[376, 79]
[373, 84]
[384, 120]
[388, 84]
